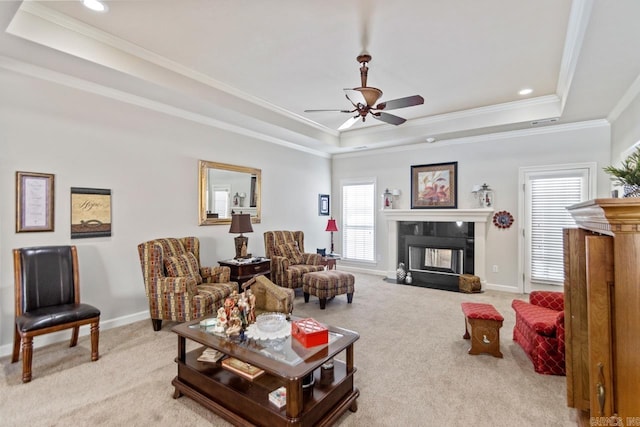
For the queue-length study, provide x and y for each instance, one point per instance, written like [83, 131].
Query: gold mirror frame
[204, 172]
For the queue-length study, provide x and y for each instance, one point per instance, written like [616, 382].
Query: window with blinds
[549, 196]
[358, 221]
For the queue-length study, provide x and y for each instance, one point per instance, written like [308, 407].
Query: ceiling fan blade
[409, 101]
[332, 111]
[355, 97]
[389, 118]
[348, 123]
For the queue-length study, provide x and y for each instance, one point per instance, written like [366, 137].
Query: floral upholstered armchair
[289, 262]
[178, 288]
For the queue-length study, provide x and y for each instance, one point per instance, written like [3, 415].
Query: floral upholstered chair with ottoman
[289, 261]
[539, 330]
[178, 288]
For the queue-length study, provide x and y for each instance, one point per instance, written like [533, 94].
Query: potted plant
[628, 174]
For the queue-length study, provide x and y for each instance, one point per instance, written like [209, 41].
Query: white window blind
[358, 220]
[549, 198]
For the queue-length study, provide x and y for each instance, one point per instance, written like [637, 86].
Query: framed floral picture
[434, 186]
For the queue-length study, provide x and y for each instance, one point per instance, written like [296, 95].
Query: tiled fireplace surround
[479, 217]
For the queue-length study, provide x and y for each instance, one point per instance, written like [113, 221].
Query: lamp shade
[240, 223]
[331, 225]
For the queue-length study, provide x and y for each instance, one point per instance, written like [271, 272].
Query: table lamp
[331, 226]
[241, 223]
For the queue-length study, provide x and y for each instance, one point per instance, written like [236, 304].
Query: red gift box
[309, 332]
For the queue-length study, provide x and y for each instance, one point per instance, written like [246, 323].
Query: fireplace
[436, 253]
[437, 245]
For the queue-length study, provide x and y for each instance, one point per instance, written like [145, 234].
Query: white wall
[492, 159]
[625, 131]
[150, 163]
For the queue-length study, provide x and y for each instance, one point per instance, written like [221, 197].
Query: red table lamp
[331, 226]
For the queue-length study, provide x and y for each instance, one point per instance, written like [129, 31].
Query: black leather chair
[47, 299]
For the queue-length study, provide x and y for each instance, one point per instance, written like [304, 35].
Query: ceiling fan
[364, 98]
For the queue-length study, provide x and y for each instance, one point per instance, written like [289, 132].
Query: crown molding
[576, 29]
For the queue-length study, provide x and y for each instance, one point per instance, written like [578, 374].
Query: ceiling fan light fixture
[370, 94]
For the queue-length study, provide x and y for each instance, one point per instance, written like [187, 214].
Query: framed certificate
[34, 201]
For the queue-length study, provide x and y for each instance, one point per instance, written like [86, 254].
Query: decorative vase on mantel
[630, 190]
[401, 273]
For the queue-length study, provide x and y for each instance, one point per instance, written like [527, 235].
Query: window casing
[358, 221]
[547, 193]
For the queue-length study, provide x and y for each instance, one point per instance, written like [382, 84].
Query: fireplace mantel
[478, 216]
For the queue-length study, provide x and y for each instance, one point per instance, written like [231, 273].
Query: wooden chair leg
[74, 336]
[157, 324]
[16, 344]
[95, 341]
[27, 356]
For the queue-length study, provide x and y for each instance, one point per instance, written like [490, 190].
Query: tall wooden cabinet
[602, 309]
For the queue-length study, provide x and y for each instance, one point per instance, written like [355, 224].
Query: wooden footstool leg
[306, 297]
[466, 335]
[485, 337]
[323, 303]
[350, 298]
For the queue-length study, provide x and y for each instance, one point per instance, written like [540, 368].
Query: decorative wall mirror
[226, 189]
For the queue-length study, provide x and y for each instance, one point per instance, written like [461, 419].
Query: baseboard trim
[501, 288]
[56, 337]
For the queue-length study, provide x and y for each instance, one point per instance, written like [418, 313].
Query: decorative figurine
[251, 316]
[235, 323]
[229, 303]
[222, 320]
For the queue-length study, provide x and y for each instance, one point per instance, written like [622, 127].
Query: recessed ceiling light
[95, 5]
[526, 91]
[430, 139]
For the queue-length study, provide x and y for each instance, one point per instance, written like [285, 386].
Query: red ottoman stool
[482, 324]
[328, 284]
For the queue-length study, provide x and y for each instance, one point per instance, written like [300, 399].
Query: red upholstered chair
[539, 330]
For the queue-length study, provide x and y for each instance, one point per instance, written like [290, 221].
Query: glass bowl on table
[271, 322]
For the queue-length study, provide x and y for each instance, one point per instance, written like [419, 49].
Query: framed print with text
[34, 201]
[90, 212]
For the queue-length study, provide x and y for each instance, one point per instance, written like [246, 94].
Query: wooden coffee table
[286, 363]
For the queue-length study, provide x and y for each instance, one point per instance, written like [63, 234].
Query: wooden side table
[329, 262]
[242, 272]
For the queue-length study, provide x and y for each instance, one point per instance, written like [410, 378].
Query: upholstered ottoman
[482, 323]
[328, 284]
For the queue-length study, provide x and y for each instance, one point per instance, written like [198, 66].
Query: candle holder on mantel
[387, 199]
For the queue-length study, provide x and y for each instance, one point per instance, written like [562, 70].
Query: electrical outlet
[495, 269]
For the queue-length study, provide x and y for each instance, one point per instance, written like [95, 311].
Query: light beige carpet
[413, 369]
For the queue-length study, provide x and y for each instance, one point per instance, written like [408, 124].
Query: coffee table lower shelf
[246, 403]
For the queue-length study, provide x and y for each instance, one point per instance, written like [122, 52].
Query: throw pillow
[184, 265]
[291, 252]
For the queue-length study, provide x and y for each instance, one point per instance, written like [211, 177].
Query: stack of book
[210, 355]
